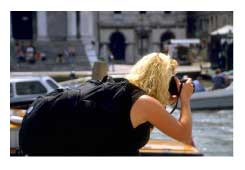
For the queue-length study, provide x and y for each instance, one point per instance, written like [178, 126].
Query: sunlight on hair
[152, 73]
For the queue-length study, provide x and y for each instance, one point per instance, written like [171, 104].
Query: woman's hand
[187, 90]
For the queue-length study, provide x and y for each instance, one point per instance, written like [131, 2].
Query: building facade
[52, 31]
[202, 23]
[128, 35]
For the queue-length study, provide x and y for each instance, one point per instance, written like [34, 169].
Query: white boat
[213, 99]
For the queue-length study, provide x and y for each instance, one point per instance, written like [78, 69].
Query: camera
[173, 87]
[173, 90]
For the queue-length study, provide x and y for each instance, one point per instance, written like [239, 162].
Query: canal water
[212, 132]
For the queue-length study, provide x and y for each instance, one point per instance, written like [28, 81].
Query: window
[230, 19]
[31, 87]
[11, 90]
[224, 20]
[117, 12]
[52, 84]
[200, 24]
[142, 12]
[216, 21]
[78, 23]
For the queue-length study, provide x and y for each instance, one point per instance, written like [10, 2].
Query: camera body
[183, 80]
[173, 87]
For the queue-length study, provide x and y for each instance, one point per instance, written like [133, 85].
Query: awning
[228, 29]
[185, 41]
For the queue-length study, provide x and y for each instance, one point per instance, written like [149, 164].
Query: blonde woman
[109, 117]
[152, 74]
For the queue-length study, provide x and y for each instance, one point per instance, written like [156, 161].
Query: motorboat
[213, 99]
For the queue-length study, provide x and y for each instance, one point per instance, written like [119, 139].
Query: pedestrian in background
[19, 53]
[111, 62]
[30, 51]
[198, 85]
[60, 58]
[220, 80]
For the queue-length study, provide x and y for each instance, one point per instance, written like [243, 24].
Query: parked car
[25, 89]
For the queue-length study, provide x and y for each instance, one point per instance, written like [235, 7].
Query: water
[212, 132]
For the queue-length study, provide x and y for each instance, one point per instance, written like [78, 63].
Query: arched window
[117, 45]
[167, 12]
[22, 26]
[142, 12]
[165, 39]
[117, 12]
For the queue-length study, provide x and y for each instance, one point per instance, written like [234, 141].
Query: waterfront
[212, 132]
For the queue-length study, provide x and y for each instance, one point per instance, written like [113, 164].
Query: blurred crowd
[28, 54]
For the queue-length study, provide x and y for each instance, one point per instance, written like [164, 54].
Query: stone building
[52, 32]
[202, 23]
[128, 35]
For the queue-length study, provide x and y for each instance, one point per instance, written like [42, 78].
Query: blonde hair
[152, 74]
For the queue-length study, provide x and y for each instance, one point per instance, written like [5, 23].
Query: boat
[159, 147]
[213, 99]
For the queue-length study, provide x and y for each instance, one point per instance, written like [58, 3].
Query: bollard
[100, 69]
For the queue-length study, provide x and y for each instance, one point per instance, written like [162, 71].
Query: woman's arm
[149, 109]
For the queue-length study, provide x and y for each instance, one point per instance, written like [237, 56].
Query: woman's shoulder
[146, 99]
[144, 106]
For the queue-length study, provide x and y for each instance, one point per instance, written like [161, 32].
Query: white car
[25, 89]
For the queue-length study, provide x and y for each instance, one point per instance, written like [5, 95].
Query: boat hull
[215, 99]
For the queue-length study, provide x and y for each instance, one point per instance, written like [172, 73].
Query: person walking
[111, 62]
[30, 51]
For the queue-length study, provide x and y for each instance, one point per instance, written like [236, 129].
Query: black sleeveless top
[115, 134]
[91, 121]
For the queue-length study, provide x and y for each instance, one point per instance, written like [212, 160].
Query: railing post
[100, 69]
